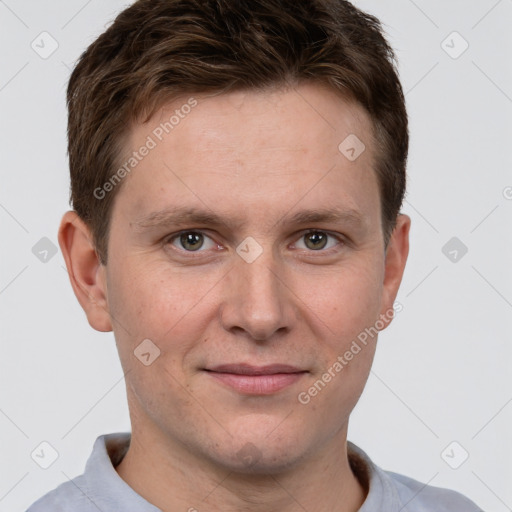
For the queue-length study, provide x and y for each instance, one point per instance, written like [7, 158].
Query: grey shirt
[100, 488]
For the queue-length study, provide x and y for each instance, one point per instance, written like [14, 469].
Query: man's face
[242, 175]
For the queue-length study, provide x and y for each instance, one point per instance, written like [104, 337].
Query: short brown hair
[159, 49]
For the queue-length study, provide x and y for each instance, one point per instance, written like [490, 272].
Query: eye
[191, 241]
[317, 240]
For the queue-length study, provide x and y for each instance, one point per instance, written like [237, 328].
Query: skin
[252, 158]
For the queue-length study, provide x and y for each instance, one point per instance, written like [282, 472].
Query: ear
[86, 273]
[396, 257]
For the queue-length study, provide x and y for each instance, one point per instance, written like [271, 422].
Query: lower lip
[257, 384]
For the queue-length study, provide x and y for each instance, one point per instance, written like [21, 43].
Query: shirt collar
[382, 494]
[109, 490]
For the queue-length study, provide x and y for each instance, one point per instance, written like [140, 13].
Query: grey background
[442, 370]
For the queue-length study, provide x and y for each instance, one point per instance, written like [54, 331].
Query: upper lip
[247, 369]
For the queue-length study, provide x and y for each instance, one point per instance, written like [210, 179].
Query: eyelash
[341, 241]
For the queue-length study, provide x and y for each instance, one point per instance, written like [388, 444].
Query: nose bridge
[258, 302]
[263, 288]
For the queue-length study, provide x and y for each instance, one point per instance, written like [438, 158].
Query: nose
[257, 300]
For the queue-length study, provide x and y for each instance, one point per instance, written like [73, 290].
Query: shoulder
[66, 497]
[419, 497]
[390, 491]
[99, 487]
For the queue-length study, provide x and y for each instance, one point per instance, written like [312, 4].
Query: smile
[254, 380]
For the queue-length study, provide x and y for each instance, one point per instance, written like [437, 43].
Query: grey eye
[315, 240]
[192, 241]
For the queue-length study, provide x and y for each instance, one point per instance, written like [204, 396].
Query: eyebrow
[174, 216]
[178, 215]
[317, 216]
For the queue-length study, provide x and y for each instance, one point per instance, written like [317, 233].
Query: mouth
[256, 380]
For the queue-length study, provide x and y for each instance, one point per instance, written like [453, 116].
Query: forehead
[309, 116]
[258, 150]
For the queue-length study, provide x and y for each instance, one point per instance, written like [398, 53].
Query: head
[237, 172]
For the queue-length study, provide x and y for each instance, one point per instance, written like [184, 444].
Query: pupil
[191, 241]
[316, 240]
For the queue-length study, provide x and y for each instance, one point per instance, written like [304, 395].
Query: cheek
[145, 298]
[160, 305]
[147, 305]
[346, 353]
[151, 305]
[345, 301]
[352, 307]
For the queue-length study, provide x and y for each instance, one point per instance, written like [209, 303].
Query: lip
[256, 380]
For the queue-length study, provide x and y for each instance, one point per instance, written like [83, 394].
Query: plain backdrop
[440, 392]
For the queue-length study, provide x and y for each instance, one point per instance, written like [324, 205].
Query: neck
[170, 477]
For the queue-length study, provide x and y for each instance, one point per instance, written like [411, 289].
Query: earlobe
[396, 258]
[86, 273]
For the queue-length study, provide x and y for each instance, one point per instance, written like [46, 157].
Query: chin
[257, 452]
[260, 460]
